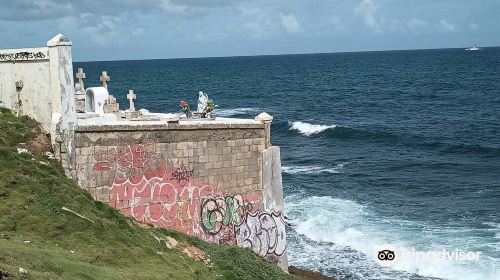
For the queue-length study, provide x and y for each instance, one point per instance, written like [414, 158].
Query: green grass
[62, 245]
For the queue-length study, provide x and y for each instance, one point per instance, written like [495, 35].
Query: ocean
[396, 147]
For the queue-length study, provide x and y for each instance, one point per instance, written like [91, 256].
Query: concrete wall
[32, 67]
[47, 94]
[203, 180]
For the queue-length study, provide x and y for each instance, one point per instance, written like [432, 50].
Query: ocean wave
[389, 137]
[341, 223]
[312, 169]
[236, 112]
[308, 129]
[495, 226]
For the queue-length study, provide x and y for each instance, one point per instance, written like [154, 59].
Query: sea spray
[346, 225]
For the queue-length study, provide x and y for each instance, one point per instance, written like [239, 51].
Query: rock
[168, 245]
[187, 252]
[307, 275]
[3, 274]
[27, 241]
[49, 155]
[194, 252]
[43, 163]
[23, 151]
[156, 238]
[71, 251]
[23, 271]
[172, 241]
[207, 263]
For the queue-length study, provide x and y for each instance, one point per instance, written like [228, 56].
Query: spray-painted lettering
[144, 188]
[22, 56]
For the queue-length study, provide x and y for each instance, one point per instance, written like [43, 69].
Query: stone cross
[131, 97]
[81, 75]
[105, 79]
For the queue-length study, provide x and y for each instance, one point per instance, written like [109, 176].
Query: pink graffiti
[157, 199]
[143, 187]
[122, 159]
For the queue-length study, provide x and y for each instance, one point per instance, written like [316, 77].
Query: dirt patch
[307, 275]
[191, 251]
[41, 144]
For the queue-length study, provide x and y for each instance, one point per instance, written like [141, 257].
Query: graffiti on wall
[122, 160]
[143, 187]
[261, 231]
[22, 56]
[182, 175]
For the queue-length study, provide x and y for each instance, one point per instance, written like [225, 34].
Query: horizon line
[278, 54]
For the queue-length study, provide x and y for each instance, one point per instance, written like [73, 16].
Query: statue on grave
[202, 101]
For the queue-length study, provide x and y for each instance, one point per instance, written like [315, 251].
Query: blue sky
[144, 29]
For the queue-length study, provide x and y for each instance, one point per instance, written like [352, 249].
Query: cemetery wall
[220, 182]
[217, 180]
[38, 82]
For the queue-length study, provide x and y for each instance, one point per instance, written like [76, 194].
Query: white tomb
[95, 98]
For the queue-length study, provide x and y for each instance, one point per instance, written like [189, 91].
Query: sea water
[399, 147]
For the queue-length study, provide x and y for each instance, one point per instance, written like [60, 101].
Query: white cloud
[255, 30]
[290, 23]
[251, 12]
[172, 8]
[257, 24]
[447, 26]
[416, 23]
[368, 10]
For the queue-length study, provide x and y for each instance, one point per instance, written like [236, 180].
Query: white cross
[81, 75]
[131, 97]
[104, 79]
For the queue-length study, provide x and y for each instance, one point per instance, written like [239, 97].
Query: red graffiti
[145, 189]
[156, 199]
[123, 159]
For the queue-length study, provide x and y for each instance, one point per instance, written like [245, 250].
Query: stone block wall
[203, 180]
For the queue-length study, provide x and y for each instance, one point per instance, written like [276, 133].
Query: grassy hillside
[50, 243]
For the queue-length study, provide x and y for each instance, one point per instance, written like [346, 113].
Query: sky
[150, 29]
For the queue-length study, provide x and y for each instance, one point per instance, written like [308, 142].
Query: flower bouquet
[209, 108]
[185, 108]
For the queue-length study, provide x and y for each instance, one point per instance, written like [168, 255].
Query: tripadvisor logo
[385, 255]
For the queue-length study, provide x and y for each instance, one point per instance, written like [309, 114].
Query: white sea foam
[495, 226]
[309, 129]
[236, 111]
[312, 169]
[345, 223]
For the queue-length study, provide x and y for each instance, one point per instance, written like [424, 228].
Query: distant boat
[475, 48]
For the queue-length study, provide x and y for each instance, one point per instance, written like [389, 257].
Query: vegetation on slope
[36, 234]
